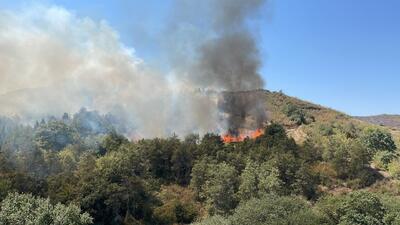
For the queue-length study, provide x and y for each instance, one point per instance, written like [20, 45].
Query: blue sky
[341, 54]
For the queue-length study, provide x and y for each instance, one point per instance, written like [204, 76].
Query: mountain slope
[390, 121]
[301, 117]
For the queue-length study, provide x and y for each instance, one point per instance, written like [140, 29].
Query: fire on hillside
[251, 134]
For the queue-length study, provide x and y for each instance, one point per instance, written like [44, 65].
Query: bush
[297, 115]
[215, 220]
[274, 210]
[179, 206]
[394, 169]
[383, 158]
[357, 208]
[258, 180]
[24, 209]
[378, 140]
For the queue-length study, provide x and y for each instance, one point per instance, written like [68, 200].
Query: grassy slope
[276, 102]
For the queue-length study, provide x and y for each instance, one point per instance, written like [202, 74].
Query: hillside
[81, 159]
[390, 121]
[300, 117]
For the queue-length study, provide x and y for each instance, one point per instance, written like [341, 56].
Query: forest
[81, 169]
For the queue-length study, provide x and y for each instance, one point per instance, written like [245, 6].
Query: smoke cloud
[228, 59]
[52, 61]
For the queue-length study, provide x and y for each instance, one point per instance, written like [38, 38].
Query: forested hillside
[311, 166]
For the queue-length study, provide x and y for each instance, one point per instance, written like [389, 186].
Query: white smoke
[52, 61]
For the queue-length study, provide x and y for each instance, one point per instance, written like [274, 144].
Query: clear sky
[344, 54]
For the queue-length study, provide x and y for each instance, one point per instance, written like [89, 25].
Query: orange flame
[227, 138]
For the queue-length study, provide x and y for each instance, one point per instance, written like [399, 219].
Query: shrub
[394, 169]
[274, 210]
[383, 158]
[25, 209]
[378, 140]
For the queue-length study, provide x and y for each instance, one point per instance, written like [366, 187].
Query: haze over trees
[80, 169]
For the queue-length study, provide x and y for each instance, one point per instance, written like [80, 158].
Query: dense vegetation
[81, 170]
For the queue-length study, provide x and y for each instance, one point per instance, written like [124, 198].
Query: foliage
[378, 140]
[258, 180]
[20, 209]
[217, 185]
[357, 208]
[297, 115]
[83, 159]
[214, 220]
[274, 210]
[394, 169]
[178, 206]
[383, 158]
[55, 135]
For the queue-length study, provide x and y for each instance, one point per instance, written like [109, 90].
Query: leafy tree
[383, 158]
[347, 156]
[357, 208]
[297, 115]
[217, 185]
[258, 180]
[68, 159]
[91, 122]
[22, 209]
[178, 206]
[55, 135]
[275, 211]
[62, 187]
[199, 177]
[5, 164]
[182, 163]
[362, 208]
[378, 140]
[112, 142]
[392, 207]
[210, 145]
[158, 154]
[110, 191]
[14, 181]
[18, 139]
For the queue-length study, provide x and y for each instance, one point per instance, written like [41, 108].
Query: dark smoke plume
[230, 61]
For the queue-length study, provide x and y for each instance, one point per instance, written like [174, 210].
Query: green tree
[356, 208]
[273, 210]
[297, 115]
[378, 140]
[362, 208]
[178, 206]
[347, 156]
[90, 123]
[258, 180]
[22, 209]
[182, 163]
[210, 145]
[392, 207]
[111, 142]
[55, 135]
[383, 158]
[110, 190]
[217, 185]
[158, 154]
